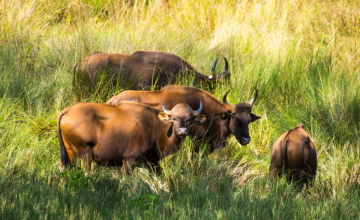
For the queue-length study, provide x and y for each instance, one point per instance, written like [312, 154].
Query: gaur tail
[74, 80]
[283, 151]
[65, 159]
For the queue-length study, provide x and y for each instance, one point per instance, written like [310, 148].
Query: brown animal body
[121, 134]
[223, 119]
[142, 68]
[294, 153]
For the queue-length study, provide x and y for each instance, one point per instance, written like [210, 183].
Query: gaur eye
[238, 121]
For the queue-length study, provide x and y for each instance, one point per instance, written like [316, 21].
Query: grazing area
[302, 56]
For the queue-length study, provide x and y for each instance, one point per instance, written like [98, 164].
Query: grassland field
[303, 56]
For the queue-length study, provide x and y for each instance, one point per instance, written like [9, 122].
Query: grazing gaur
[143, 68]
[122, 134]
[294, 153]
[223, 119]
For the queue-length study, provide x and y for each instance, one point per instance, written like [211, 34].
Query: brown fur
[218, 129]
[144, 68]
[118, 135]
[294, 152]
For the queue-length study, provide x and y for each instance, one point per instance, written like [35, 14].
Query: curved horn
[227, 105]
[252, 101]
[225, 72]
[213, 76]
[226, 65]
[165, 110]
[224, 98]
[214, 65]
[197, 112]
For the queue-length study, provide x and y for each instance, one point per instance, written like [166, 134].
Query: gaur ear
[254, 117]
[164, 117]
[200, 119]
[202, 79]
[113, 102]
[221, 116]
[170, 131]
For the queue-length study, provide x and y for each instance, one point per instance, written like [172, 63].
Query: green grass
[303, 57]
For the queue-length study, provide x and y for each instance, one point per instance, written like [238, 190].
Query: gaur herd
[145, 126]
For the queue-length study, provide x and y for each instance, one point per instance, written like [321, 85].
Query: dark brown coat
[223, 119]
[143, 68]
[294, 152]
[115, 135]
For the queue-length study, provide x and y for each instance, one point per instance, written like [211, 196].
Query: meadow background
[302, 55]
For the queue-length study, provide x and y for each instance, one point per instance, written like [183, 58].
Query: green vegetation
[302, 55]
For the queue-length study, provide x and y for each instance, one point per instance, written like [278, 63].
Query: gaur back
[294, 152]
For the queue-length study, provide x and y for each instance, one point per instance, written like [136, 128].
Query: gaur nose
[182, 131]
[246, 140]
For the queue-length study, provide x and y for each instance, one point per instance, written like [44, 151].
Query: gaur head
[218, 78]
[238, 118]
[225, 74]
[181, 116]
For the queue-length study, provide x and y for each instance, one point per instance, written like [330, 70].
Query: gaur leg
[132, 154]
[126, 168]
[272, 172]
[217, 142]
[276, 168]
[85, 153]
[153, 166]
[309, 174]
[158, 169]
[87, 162]
[306, 178]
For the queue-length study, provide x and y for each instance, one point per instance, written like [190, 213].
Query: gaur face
[181, 116]
[238, 118]
[239, 122]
